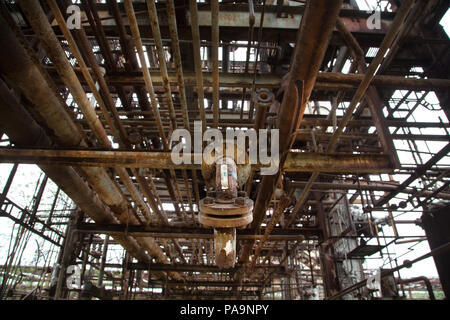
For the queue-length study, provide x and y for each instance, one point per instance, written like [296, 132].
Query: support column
[5, 190]
[326, 254]
[436, 222]
[103, 261]
[67, 256]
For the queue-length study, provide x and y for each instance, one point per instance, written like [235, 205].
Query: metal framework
[363, 118]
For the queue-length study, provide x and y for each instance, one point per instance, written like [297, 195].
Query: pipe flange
[225, 222]
[226, 215]
[226, 209]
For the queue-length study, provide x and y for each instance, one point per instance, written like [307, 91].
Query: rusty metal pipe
[74, 84]
[369, 75]
[30, 78]
[153, 15]
[24, 131]
[177, 58]
[143, 100]
[215, 59]
[251, 23]
[225, 247]
[50, 107]
[224, 210]
[96, 24]
[313, 36]
[255, 65]
[264, 99]
[197, 60]
[43, 30]
[145, 71]
[106, 103]
[325, 80]
[126, 43]
[371, 70]
[295, 161]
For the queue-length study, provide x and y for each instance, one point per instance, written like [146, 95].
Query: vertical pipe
[264, 99]
[400, 17]
[26, 74]
[197, 60]
[436, 223]
[153, 15]
[255, 66]
[177, 57]
[313, 37]
[215, 59]
[105, 103]
[225, 247]
[251, 23]
[103, 261]
[147, 79]
[67, 250]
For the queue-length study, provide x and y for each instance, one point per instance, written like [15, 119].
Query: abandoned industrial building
[233, 149]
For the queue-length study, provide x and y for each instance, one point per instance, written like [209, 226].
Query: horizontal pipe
[190, 267]
[325, 80]
[23, 130]
[206, 283]
[240, 17]
[26, 74]
[295, 161]
[374, 186]
[194, 233]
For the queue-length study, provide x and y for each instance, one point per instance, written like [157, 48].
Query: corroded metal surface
[225, 247]
[96, 117]
[223, 209]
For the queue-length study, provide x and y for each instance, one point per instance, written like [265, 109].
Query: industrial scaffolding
[87, 114]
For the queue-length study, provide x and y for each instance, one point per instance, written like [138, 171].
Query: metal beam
[190, 267]
[374, 186]
[24, 73]
[194, 233]
[204, 284]
[295, 161]
[236, 16]
[419, 171]
[312, 41]
[325, 80]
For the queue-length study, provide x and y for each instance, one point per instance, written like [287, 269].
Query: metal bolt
[242, 194]
[240, 201]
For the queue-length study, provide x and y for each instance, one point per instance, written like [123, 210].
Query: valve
[225, 209]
